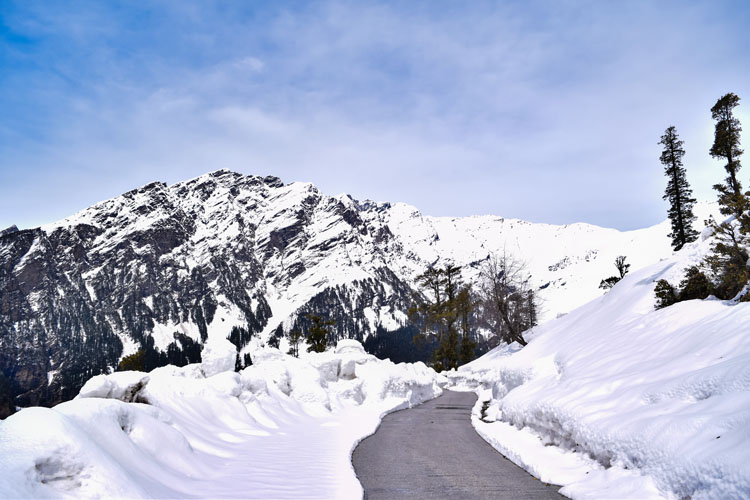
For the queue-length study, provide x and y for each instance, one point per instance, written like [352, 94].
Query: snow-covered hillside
[166, 268]
[638, 403]
[282, 428]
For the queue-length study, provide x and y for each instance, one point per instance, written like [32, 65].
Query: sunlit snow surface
[565, 262]
[638, 403]
[282, 428]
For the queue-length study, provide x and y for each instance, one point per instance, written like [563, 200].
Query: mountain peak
[163, 268]
[8, 230]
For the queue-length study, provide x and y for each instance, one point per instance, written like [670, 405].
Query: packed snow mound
[120, 385]
[639, 403]
[281, 428]
[218, 355]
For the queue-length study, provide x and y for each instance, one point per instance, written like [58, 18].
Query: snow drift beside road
[281, 428]
[638, 403]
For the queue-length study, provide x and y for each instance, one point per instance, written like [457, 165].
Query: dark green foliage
[317, 334]
[295, 337]
[446, 316]
[621, 266]
[465, 306]
[665, 294]
[399, 345]
[622, 269]
[181, 352]
[728, 262]
[695, 285]
[608, 283]
[133, 362]
[247, 360]
[726, 147]
[678, 191]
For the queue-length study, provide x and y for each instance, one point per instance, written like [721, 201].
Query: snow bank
[218, 355]
[281, 428]
[637, 403]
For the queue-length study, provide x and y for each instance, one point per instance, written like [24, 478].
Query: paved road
[432, 451]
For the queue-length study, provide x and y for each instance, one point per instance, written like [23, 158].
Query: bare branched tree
[509, 303]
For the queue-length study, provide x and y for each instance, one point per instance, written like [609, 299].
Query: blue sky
[546, 111]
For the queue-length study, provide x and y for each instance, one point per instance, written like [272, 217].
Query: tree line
[450, 311]
[724, 272]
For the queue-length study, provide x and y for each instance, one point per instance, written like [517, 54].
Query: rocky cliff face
[163, 268]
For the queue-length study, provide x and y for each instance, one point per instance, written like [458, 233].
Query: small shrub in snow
[665, 294]
[317, 335]
[295, 337]
[622, 269]
[133, 362]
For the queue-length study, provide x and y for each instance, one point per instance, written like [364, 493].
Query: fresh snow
[611, 400]
[565, 263]
[635, 403]
[281, 428]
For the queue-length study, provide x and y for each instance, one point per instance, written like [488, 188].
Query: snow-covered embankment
[281, 428]
[636, 403]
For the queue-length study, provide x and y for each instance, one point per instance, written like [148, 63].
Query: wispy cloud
[549, 111]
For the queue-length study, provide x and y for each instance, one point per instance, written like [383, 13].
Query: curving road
[432, 451]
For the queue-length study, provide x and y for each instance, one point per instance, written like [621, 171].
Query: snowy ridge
[244, 257]
[638, 403]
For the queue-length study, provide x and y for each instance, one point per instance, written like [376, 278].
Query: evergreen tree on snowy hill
[295, 337]
[622, 268]
[726, 147]
[317, 335]
[728, 262]
[447, 309]
[678, 191]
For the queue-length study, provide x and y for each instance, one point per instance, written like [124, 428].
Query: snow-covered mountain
[165, 268]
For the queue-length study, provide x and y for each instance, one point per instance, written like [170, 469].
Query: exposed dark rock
[8, 230]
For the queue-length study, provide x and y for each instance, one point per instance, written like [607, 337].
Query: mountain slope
[164, 268]
[619, 400]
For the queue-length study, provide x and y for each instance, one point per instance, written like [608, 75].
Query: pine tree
[317, 335]
[666, 295]
[621, 266]
[726, 147]
[728, 262]
[622, 269]
[449, 346]
[442, 311]
[295, 337]
[695, 285]
[465, 308]
[134, 362]
[678, 191]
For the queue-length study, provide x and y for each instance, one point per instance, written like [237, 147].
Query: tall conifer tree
[726, 147]
[678, 191]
